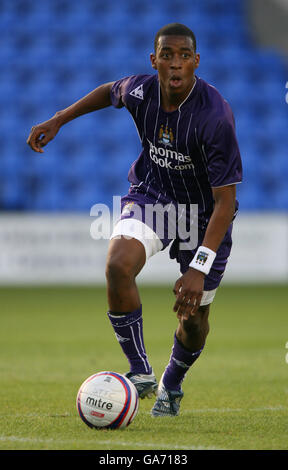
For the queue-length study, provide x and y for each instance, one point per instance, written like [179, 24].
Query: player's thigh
[125, 257]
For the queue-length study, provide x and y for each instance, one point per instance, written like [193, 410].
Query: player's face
[176, 62]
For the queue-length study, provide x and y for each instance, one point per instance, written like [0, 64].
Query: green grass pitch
[235, 395]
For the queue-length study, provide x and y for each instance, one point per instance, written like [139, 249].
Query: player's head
[175, 58]
[174, 29]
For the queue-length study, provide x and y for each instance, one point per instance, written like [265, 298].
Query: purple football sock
[180, 361]
[128, 329]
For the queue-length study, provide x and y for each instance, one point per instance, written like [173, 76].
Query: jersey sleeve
[129, 91]
[222, 153]
[118, 92]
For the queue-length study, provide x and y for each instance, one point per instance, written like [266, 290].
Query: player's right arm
[42, 133]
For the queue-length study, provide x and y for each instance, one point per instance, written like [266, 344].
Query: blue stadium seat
[215, 7]
[12, 192]
[53, 53]
[44, 195]
[280, 197]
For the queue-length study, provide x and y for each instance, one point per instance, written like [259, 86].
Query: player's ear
[153, 61]
[197, 60]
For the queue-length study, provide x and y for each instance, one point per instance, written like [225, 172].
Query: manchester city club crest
[128, 208]
[201, 258]
[166, 136]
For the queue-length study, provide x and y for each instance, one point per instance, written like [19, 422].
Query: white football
[107, 400]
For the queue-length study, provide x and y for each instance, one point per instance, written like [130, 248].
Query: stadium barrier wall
[59, 249]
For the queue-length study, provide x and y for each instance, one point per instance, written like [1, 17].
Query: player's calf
[192, 332]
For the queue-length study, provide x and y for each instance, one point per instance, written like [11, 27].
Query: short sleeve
[118, 91]
[222, 153]
[130, 91]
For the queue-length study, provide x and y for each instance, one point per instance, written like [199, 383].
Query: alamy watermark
[168, 221]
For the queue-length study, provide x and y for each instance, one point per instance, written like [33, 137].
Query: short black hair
[175, 29]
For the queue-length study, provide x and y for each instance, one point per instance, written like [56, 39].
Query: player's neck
[171, 101]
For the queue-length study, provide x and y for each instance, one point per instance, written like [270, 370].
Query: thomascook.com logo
[167, 158]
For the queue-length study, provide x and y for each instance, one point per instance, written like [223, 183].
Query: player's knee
[119, 268]
[197, 325]
[125, 260]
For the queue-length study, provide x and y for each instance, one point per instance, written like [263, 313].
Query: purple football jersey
[185, 153]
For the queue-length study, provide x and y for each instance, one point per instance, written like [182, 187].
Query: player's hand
[188, 290]
[41, 134]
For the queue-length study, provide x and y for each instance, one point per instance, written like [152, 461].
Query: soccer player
[189, 157]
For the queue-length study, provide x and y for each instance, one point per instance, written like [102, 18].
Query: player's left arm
[222, 216]
[189, 287]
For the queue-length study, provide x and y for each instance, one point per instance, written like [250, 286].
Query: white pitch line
[129, 445]
[133, 445]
